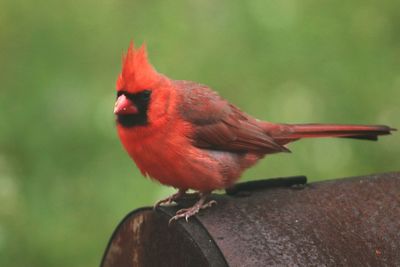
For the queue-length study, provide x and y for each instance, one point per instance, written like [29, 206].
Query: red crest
[137, 73]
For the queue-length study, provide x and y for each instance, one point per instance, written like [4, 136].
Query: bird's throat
[132, 120]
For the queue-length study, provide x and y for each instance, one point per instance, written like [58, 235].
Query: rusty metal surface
[346, 222]
[143, 238]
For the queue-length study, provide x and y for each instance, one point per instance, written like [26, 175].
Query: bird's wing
[219, 125]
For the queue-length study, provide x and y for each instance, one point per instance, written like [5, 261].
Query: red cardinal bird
[185, 135]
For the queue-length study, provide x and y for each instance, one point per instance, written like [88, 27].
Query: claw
[209, 204]
[165, 201]
[168, 200]
[189, 212]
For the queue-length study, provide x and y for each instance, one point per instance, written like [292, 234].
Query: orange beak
[124, 106]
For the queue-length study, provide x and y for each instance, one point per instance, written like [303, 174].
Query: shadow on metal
[278, 222]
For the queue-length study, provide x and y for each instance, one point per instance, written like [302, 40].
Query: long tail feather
[365, 132]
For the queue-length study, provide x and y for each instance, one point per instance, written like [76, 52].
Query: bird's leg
[168, 200]
[200, 204]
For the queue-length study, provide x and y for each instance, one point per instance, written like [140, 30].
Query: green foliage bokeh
[65, 181]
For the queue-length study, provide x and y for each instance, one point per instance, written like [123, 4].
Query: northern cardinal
[185, 135]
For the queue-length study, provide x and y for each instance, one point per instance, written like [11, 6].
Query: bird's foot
[174, 197]
[188, 212]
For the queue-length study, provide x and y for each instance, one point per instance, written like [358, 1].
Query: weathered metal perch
[345, 222]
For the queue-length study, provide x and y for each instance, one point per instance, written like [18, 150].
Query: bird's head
[138, 87]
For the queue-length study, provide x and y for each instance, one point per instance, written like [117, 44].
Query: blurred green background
[65, 181]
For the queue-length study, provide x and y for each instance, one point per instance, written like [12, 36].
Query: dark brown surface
[144, 238]
[346, 222]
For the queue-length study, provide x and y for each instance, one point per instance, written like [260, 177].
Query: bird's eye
[146, 94]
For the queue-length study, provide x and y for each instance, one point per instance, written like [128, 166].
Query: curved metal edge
[117, 229]
[195, 230]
